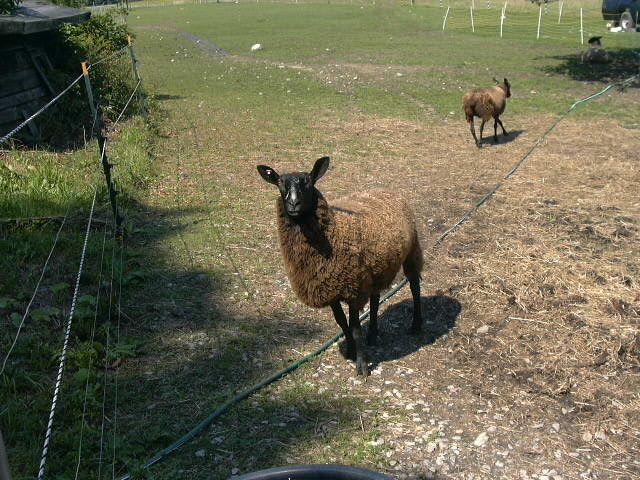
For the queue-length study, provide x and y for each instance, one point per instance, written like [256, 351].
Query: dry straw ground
[530, 364]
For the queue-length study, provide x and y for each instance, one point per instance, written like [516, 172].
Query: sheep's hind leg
[473, 132]
[504, 132]
[372, 334]
[495, 130]
[416, 325]
[341, 320]
[481, 129]
[362, 365]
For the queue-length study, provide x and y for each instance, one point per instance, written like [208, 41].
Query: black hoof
[505, 134]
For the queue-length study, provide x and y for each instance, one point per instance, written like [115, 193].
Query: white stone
[481, 439]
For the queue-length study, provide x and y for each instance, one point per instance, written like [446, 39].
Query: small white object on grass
[256, 46]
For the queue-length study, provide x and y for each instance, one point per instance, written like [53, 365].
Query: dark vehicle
[622, 13]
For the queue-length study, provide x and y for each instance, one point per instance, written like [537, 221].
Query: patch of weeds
[46, 184]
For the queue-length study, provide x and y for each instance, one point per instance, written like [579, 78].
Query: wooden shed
[25, 64]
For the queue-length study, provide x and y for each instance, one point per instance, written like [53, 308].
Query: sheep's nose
[292, 198]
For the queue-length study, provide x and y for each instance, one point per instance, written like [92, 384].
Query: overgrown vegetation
[101, 42]
[40, 187]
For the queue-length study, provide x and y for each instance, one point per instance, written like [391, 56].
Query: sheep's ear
[319, 169]
[494, 79]
[506, 82]
[268, 174]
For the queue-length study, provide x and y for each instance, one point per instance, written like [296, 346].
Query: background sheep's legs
[473, 131]
[414, 283]
[362, 366]
[502, 126]
[481, 129]
[372, 334]
[341, 320]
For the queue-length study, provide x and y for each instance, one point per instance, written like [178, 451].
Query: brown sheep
[486, 103]
[348, 251]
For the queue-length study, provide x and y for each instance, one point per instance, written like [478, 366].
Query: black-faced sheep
[486, 103]
[348, 251]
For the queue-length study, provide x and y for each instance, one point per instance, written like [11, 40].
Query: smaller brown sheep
[347, 251]
[486, 103]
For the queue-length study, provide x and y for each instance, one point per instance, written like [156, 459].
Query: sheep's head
[299, 195]
[507, 87]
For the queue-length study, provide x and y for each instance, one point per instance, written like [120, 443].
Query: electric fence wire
[106, 362]
[115, 400]
[63, 356]
[117, 340]
[135, 89]
[42, 109]
[93, 331]
[35, 291]
[109, 57]
[20, 126]
[49, 430]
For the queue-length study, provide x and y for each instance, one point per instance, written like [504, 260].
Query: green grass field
[200, 265]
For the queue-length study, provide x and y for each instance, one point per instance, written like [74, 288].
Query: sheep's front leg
[416, 326]
[473, 132]
[504, 132]
[495, 130]
[362, 365]
[481, 129]
[341, 320]
[372, 334]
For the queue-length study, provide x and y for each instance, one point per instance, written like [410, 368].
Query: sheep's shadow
[502, 139]
[439, 313]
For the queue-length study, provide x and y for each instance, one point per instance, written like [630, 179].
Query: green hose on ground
[200, 427]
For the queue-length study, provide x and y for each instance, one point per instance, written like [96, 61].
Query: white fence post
[445, 18]
[540, 21]
[581, 29]
[502, 17]
[560, 13]
[473, 29]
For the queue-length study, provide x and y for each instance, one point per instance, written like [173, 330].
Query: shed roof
[33, 16]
